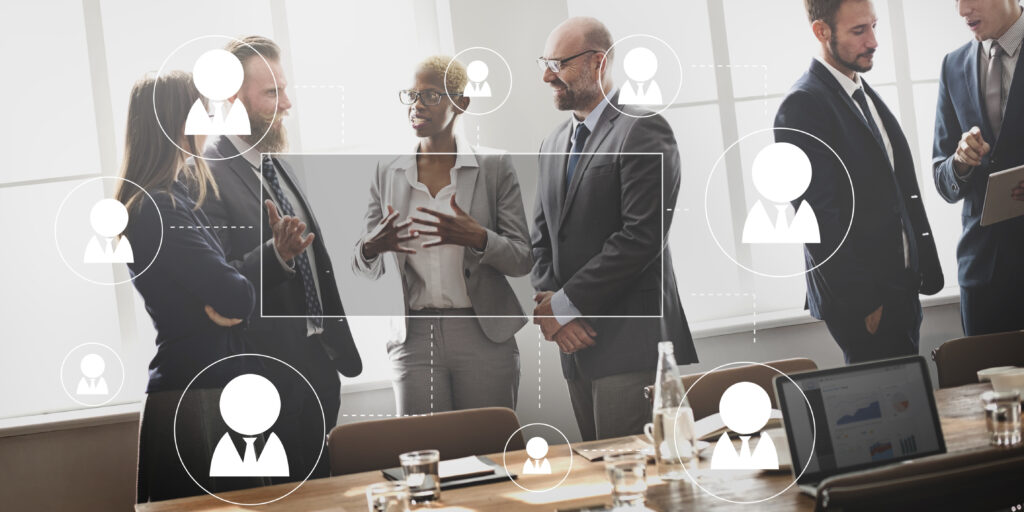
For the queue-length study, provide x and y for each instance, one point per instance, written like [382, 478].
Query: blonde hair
[447, 70]
[151, 160]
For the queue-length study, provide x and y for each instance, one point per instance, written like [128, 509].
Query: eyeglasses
[430, 97]
[555, 65]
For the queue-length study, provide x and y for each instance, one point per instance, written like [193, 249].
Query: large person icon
[250, 405]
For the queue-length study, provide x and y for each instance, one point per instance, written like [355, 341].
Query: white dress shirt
[851, 87]
[252, 157]
[561, 307]
[440, 266]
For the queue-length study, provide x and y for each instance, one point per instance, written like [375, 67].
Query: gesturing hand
[386, 237]
[220, 320]
[457, 229]
[288, 238]
[969, 151]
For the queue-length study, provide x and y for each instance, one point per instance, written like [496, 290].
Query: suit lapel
[397, 194]
[601, 131]
[1013, 102]
[826, 76]
[240, 167]
[561, 161]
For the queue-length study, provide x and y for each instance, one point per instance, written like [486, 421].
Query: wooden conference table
[960, 409]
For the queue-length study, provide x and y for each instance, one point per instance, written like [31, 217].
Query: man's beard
[573, 99]
[834, 46]
[267, 138]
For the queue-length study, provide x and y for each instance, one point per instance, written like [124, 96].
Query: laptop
[865, 415]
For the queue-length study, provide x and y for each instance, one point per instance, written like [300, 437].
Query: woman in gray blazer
[453, 217]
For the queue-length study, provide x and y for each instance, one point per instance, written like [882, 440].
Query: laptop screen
[865, 415]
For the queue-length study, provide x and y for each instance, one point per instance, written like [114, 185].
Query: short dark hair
[824, 10]
[252, 46]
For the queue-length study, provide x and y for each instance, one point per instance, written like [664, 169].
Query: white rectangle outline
[664, 244]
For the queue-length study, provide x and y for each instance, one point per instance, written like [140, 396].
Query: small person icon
[745, 408]
[640, 65]
[537, 463]
[218, 76]
[92, 381]
[250, 405]
[477, 87]
[108, 218]
[781, 173]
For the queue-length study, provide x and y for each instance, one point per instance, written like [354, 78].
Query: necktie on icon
[313, 307]
[582, 132]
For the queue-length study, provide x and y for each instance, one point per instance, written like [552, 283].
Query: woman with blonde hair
[452, 216]
[196, 299]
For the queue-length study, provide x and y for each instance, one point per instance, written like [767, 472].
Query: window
[767, 46]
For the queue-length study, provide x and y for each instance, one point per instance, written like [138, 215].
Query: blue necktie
[582, 132]
[313, 307]
[906, 226]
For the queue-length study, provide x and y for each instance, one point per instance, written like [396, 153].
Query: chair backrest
[987, 479]
[957, 361]
[704, 400]
[376, 444]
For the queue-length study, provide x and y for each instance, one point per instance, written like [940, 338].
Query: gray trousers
[611, 406]
[448, 364]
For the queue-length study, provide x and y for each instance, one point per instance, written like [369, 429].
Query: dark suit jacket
[240, 204]
[991, 252]
[188, 273]
[602, 240]
[870, 263]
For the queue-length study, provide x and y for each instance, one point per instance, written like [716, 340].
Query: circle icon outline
[707, 194]
[667, 104]
[56, 235]
[113, 395]
[508, 90]
[814, 432]
[175, 429]
[504, 456]
[273, 119]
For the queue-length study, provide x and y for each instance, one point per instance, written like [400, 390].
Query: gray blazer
[601, 240]
[488, 190]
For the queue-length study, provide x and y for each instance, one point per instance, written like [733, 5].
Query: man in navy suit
[979, 129]
[867, 292]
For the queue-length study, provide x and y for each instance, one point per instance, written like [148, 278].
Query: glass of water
[388, 497]
[1002, 417]
[420, 469]
[627, 472]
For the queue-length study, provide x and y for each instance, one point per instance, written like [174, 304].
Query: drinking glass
[420, 469]
[388, 497]
[1002, 417]
[627, 472]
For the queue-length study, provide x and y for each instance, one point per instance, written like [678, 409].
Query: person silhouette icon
[537, 463]
[640, 65]
[250, 405]
[745, 408]
[218, 76]
[108, 218]
[477, 87]
[781, 173]
[92, 381]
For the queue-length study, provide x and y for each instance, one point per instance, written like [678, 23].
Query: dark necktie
[906, 228]
[313, 307]
[994, 89]
[862, 102]
[582, 132]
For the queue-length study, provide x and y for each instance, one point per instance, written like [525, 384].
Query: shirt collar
[1010, 42]
[591, 121]
[245, 149]
[850, 86]
[465, 157]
